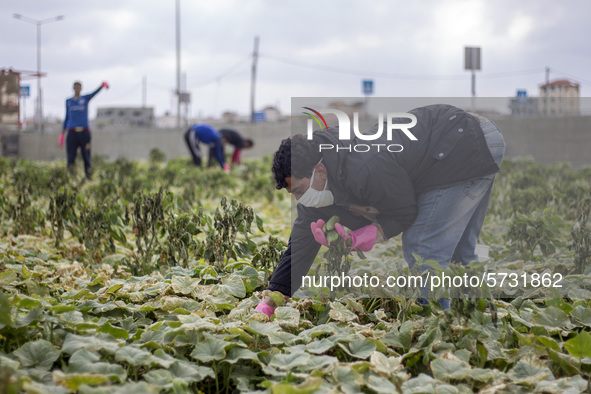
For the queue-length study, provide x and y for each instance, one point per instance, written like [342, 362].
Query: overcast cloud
[407, 48]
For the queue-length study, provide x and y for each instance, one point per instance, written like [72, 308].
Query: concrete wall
[548, 140]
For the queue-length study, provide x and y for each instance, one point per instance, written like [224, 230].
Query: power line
[222, 75]
[570, 76]
[397, 76]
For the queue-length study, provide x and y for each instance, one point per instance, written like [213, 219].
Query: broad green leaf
[406, 333]
[566, 362]
[127, 388]
[381, 385]
[74, 342]
[9, 363]
[210, 349]
[392, 339]
[446, 370]
[232, 285]
[359, 348]
[316, 363]
[259, 328]
[39, 354]
[582, 315]
[579, 346]
[189, 372]
[238, 353]
[159, 377]
[161, 358]
[385, 365]
[184, 284]
[287, 317]
[574, 384]
[551, 317]
[548, 342]
[525, 373]
[309, 386]
[133, 356]
[348, 378]
[86, 362]
[30, 319]
[113, 331]
[282, 338]
[290, 360]
[319, 347]
[73, 381]
[277, 298]
[421, 384]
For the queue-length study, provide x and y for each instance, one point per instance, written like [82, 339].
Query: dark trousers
[75, 140]
[193, 145]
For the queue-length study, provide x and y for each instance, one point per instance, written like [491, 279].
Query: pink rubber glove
[364, 238]
[342, 232]
[266, 309]
[226, 168]
[105, 85]
[319, 236]
[60, 140]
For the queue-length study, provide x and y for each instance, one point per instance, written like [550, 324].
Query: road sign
[472, 58]
[367, 85]
[25, 91]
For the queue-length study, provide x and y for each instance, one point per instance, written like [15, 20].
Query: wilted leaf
[338, 312]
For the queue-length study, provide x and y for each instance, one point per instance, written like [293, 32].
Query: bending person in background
[208, 135]
[235, 139]
[76, 124]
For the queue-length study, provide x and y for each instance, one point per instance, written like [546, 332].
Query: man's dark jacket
[450, 149]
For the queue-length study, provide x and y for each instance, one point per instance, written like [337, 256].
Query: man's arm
[236, 156]
[91, 95]
[219, 152]
[67, 119]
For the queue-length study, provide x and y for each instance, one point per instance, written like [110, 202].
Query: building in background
[125, 116]
[522, 105]
[9, 99]
[559, 98]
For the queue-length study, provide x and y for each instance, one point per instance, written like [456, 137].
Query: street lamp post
[39, 94]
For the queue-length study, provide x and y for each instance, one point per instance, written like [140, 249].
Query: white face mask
[316, 198]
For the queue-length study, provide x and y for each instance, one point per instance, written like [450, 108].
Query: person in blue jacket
[76, 124]
[208, 135]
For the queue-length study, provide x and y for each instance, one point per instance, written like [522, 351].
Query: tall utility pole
[39, 112]
[547, 75]
[472, 63]
[178, 63]
[144, 91]
[253, 77]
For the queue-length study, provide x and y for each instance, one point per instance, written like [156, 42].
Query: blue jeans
[449, 219]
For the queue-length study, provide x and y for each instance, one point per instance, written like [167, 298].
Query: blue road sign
[367, 86]
[25, 91]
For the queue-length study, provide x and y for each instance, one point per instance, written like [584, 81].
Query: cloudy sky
[307, 48]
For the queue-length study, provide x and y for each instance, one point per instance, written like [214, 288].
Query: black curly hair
[296, 157]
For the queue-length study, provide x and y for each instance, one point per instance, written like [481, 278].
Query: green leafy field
[145, 279]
